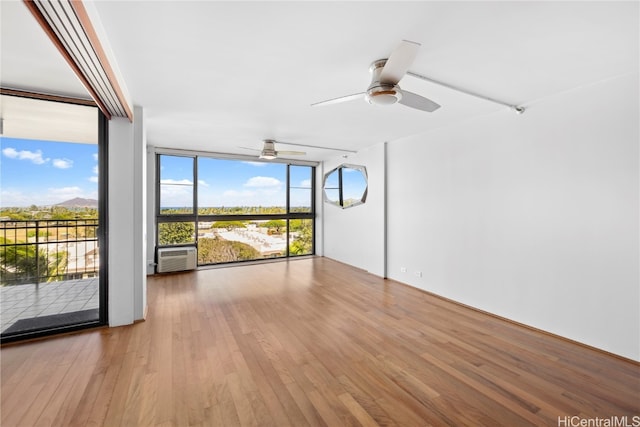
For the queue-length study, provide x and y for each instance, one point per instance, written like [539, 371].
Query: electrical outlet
[403, 269]
[418, 273]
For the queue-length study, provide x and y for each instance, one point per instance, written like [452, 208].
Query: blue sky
[44, 173]
[232, 183]
[353, 184]
[241, 183]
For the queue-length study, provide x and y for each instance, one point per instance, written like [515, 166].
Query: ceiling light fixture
[267, 156]
[268, 150]
[381, 92]
[383, 95]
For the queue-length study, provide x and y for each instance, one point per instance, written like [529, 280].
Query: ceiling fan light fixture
[269, 150]
[383, 95]
[268, 155]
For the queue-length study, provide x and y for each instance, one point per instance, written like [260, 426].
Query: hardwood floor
[310, 342]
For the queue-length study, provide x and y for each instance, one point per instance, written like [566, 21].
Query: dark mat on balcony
[52, 321]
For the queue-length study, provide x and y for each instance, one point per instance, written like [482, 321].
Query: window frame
[194, 200]
[339, 170]
[197, 217]
[102, 233]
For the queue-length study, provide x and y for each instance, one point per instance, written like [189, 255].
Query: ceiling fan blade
[248, 148]
[399, 62]
[340, 99]
[418, 102]
[293, 153]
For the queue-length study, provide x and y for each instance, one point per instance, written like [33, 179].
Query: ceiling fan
[385, 75]
[269, 152]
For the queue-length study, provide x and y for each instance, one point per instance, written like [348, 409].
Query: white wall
[532, 217]
[140, 214]
[127, 281]
[319, 223]
[151, 209]
[356, 235]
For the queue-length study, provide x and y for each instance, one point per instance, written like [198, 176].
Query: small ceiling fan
[269, 152]
[385, 75]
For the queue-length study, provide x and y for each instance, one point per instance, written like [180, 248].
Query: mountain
[79, 202]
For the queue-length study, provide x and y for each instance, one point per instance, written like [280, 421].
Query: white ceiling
[214, 76]
[29, 118]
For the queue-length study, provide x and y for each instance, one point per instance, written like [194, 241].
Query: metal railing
[48, 250]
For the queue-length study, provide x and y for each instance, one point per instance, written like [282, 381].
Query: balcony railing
[48, 250]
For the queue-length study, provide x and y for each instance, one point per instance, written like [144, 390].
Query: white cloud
[58, 195]
[262, 182]
[74, 191]
[95, 156]
[62, 163]
[179, 193]
[33, 156]
[10, 152]
[13, 197]
[246, 196]
[95, 177]
[176, 182]
[235, 193]
[257, 164]
[306, 183]
[203, 183]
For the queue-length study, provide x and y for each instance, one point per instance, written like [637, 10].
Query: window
[53, 236]
[176, 185]
[236, 210]
[176, 233]
[300, 191]
[233, 187]
[301, 237]
[346, 186]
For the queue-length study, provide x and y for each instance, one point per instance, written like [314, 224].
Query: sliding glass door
[51, 216]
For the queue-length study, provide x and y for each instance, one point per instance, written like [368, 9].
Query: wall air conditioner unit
[176, 259]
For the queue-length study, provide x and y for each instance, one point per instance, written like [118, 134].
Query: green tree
[41, 233]
[297, 224]
[61, 213]
[16, 214]
[302, 243]
[229, 225]
[174, 233]
[22, 263]
[212, 251]
[276, 225]
[57, 266]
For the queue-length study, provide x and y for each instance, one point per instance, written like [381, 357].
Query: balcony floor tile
[26, 301]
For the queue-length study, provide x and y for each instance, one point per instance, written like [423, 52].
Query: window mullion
[340, 194]
[195, 196]
[288, 210]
